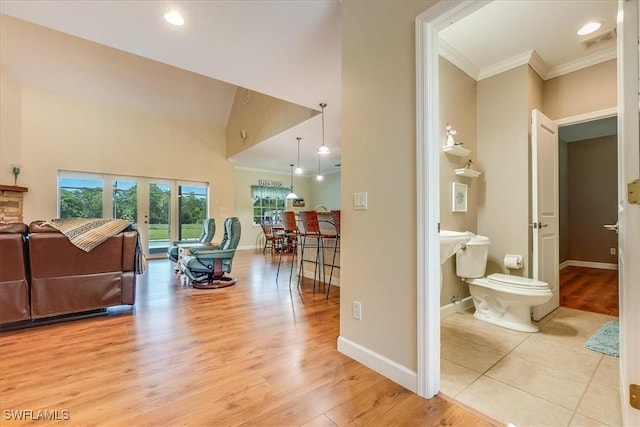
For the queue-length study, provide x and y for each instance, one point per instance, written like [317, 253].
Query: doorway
[588, 216]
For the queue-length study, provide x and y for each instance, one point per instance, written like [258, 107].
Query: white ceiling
[291, 49]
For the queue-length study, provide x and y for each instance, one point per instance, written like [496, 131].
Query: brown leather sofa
[14, 288]
[66, 279]
[48, 276]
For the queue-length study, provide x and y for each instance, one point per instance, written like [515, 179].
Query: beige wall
[457, 107]
[69, 134]
[262, 117]
[326, 192]
[592, 199]
[10, 128]
[503, 155]
[378, 157]
[584, 91]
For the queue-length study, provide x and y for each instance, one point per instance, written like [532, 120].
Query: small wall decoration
[298, 203]
[269, 183]
[458, 197]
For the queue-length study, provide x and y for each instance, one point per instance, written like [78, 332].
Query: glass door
[150, 204]
[157, 217]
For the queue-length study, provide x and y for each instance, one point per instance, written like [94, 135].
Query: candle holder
[16, 171]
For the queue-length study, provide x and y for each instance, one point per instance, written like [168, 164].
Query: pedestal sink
[451, 241]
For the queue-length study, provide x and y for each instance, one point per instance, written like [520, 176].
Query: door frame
[428, 24]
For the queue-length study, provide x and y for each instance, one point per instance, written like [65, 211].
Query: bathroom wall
[504, 104]
[458, 108]
[592, 199]
[584, 91]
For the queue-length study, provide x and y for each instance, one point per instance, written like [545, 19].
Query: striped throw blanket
[87, 233]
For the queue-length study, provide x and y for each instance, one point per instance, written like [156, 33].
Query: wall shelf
[456, 150]
[469, 173]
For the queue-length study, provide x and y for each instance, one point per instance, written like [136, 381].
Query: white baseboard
[449, 309]
[382, 365]
[589, 264]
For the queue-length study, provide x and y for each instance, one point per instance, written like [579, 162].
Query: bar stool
[335, 216]
[289, 240]
[311, 231]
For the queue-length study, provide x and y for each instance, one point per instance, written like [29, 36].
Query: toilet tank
[471, 263]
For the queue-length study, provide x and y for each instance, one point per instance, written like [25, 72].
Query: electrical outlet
[357, 310]
[612, 251]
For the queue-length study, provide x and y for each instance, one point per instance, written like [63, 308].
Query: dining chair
[271, 239]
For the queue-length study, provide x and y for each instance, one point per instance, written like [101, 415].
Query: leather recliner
[206, 266]
[14, 287]
[208, 231]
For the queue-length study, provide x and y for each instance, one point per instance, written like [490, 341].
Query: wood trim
[15, 188]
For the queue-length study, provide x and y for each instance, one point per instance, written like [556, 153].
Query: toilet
[500, 299]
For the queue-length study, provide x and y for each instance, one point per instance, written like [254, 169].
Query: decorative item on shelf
[292, 195]
[450, 132]
[298, 170]
[15, 169]
[323, 148]
[469, 164]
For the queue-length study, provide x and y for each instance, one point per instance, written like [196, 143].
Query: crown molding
[456, 58]
[579, 64]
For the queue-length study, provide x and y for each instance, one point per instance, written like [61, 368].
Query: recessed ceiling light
[589, 28]
[174, 18]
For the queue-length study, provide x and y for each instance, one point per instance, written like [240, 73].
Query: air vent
[607, 37]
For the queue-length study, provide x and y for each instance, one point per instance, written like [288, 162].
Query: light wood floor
[589, 289]
[252, 354]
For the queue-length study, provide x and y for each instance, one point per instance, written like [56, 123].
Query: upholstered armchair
[208, 231]
[206, 266]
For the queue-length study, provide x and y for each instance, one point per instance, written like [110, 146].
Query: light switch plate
[360, 201]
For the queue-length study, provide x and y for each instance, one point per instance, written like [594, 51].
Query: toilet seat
[517, 281]
[512, 284]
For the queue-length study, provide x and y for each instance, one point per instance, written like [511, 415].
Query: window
[80, 197]
[268, 202]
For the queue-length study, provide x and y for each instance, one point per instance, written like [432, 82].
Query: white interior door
[628, 213]
[544, 199]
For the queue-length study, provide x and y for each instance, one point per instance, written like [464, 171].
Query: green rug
[605, 340]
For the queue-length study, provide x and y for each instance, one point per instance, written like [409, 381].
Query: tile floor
[531, 379]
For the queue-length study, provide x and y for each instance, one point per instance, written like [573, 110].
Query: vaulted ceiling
[287, 49]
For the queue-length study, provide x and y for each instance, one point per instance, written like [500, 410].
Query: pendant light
[298, 170]
[319, 177]
[323, 148]
[292, 194]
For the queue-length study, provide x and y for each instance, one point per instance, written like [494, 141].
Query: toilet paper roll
[513, 262]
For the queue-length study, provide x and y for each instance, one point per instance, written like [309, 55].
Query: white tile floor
[541, 379]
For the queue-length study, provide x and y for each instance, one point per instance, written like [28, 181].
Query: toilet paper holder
[513, 261]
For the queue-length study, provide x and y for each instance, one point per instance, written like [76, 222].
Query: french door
[162, 210]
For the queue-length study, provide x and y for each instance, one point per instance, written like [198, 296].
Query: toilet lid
[508, 279]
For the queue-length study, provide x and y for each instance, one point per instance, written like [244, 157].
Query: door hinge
[633, 192]
[634, 395]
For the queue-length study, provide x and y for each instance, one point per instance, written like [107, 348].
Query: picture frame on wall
[458, 197]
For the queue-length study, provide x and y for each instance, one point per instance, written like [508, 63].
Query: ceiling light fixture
[174, 18]
[292, 194]
[323, 148]
[589, 28]
[319, 177]
[298, 170]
